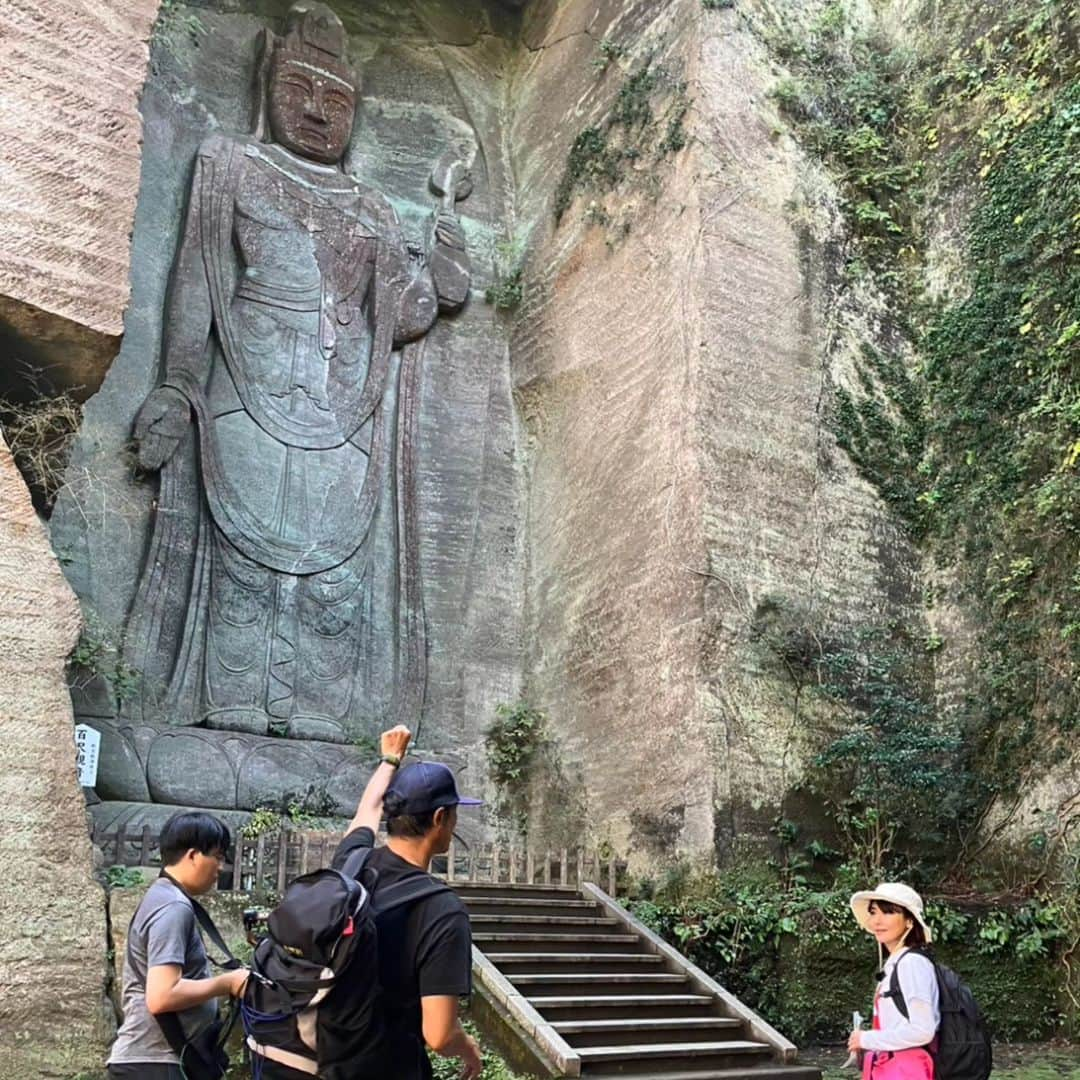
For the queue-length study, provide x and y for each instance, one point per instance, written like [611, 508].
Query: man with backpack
[168, 989]
[359, 996]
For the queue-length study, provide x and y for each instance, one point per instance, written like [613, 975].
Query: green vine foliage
[967, 419]
[124, 877]
[644, 125]
[515, 744]
[1003, 373]
[309, 809]
[98, 654]
[848, 101]
[892, 772]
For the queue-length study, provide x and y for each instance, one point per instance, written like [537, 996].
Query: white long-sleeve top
[918, 983]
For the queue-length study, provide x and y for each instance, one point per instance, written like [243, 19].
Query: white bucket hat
[894, 892]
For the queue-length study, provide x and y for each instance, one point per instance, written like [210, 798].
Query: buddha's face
[311, 109]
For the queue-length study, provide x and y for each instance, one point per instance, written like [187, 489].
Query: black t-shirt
[425, 950]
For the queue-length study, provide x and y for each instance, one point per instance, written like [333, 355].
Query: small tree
[894, 778]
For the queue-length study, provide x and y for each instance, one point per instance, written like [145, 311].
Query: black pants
[145, 1070]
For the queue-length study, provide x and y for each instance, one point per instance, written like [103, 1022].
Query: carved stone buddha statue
[280, 597]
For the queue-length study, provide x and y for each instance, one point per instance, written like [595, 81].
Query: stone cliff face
[672, 366]
[640, 508]
[663, 473]
[53, 1009]
[69, 141]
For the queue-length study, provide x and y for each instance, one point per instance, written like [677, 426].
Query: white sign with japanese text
[87, 745]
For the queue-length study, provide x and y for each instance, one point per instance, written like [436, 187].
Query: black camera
[255, 923]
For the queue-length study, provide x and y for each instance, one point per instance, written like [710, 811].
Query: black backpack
[313, 1001]
[962, 1049]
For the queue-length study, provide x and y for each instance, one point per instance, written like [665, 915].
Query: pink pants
[914, 1064]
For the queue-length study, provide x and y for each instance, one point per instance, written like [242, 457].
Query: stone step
[636, 1058]
[511, 963]
[556, 1007]
[615, 1032]
[529, 905]
[563, 943]
[479, 889]
[598, 984]
[539, 923]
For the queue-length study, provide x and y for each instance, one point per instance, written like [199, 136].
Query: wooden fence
[270, 861]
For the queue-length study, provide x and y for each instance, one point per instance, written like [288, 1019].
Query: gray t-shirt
[164, 931]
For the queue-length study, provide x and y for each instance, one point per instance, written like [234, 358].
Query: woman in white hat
[897, 1048]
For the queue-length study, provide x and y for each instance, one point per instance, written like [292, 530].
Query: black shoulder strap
[409, 891]
[202, 916]
[895, 992]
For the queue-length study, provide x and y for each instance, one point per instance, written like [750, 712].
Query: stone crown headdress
[313, 33]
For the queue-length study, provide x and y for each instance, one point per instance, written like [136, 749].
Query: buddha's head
[311, 96]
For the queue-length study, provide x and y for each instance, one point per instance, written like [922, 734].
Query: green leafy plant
[98, 654]
[367, 744]
[515, 743]
[124, 877]
[891, 770]
[794, 952]
[296, 810]
[607, 50]
[508, 289]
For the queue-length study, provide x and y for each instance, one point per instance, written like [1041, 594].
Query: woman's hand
[854, 1043]
[395, 741]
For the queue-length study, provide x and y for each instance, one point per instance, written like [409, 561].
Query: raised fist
[395, 741]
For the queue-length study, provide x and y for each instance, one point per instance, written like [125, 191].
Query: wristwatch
[392, 759]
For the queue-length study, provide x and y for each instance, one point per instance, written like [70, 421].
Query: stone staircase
[604, 997]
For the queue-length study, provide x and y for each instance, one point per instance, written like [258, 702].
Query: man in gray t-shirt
[166, 969]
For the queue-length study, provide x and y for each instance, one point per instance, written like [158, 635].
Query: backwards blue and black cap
[422, 787]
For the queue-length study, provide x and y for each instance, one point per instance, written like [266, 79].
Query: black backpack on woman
[962, 1048]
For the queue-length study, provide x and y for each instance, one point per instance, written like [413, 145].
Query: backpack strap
[355, 861]
[409, 891]
[894, 990]
[202, 916]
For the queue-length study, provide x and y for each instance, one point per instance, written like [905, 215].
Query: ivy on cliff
[643, 126]
[1003, 375]
[971, 430]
